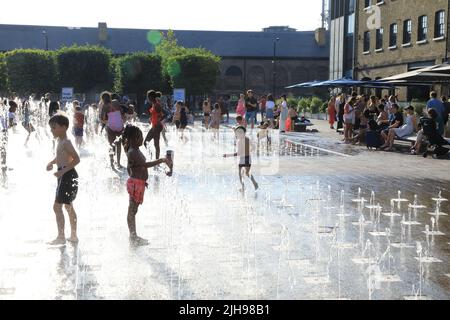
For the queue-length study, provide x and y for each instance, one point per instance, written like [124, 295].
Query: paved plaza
[305, 234]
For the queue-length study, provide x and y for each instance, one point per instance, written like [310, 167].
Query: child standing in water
[112, 116]
[78, 124]
[215, 120]
[66, 159]
[155, 112]
[12, 114]
[136, 184]
[183, 119]
[26, 120]
[206, 113]
[243, 152]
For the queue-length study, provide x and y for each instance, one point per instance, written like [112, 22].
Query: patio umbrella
[339, 83]
[304, 85]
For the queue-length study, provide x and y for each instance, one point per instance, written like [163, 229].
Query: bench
[301, 127]
[411, 139]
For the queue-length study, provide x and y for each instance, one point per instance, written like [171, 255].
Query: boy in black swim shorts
[243, 152]
[66, 159]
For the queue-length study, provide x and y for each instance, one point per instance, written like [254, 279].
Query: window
[407, 31]
[233, 71]
[367, 3]
[439, 24]
[422, 28]
[393, 32]
[379, 39]
[367, 41]
[351, 6]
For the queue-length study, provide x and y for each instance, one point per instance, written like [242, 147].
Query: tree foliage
[85, 68]
[195, 69]
[3, 75]
[138, 72]
[194, 72]
[31, 70]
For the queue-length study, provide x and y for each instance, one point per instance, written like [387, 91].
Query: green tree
[304, 104]
[138, 72]
[196, 71]
[85, 68]
[3, 75]
[31, 70]
[168, 47]
[316, 103]
[292, 101]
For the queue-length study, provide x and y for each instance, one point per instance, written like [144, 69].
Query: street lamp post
[44, 33]
[273, 65]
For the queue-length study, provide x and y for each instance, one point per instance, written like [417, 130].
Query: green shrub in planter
[292, 101]
[316, 104]
[419, 107]
[304, 104]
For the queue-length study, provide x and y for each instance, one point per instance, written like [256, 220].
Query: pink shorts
[136, 189]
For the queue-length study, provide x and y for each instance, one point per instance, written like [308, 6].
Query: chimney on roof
[102, 32]
[321, 36]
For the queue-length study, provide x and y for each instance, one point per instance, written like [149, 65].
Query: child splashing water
[243, 152]
[66, 159]
[113, 118]
[136, 184]
[78, 124]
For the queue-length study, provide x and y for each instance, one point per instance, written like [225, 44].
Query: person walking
[283, 114]
[332, 112]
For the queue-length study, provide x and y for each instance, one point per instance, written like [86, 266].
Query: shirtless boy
[66, 159]
[243, 152]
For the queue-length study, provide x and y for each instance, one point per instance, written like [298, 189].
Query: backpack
[441, 151]
[373, 125]
[429, 127]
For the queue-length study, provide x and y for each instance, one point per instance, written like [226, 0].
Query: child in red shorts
[136, 184]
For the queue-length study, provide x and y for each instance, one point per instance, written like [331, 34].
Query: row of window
[422, 34]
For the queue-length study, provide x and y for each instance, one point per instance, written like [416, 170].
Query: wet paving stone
[210, 241]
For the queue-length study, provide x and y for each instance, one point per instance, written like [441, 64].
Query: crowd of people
[378, 122]
[113, 117]
[252, 111]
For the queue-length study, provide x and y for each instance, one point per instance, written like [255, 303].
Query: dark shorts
[177, 124]
[206, 114]
[246, 164]
[67, 188]
[78, 132]
[250, 115]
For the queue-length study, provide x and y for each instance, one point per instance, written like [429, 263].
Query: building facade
[397, 36]
[255, 60]
[342, 38]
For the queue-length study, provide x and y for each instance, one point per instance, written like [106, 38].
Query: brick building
[247, 57]
[373, 39]
[396, 36]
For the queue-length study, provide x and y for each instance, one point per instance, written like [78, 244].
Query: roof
[298, 44]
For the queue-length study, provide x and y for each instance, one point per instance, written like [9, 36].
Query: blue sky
[233, 15]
